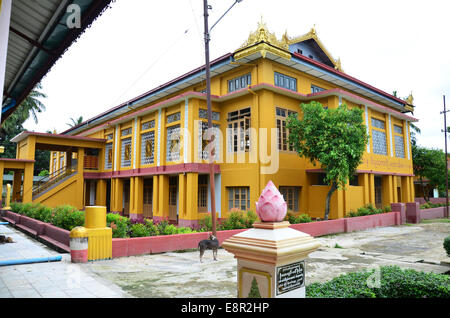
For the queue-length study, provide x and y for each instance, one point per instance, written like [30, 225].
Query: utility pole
[211, 137]
[208, 103]
[446, 165]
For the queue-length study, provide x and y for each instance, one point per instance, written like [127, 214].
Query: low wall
[165, 243]
[321, 227]
[122, 247]
[433, 213]
[360, 223]
[432, 200]
[44, 232]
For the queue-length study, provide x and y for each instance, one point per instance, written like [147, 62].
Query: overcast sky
[138, 45]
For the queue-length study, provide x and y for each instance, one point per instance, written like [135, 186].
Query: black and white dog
[210, 244]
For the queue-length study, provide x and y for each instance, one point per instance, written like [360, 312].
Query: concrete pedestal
[271, 260]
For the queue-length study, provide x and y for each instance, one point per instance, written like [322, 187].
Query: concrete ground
[181, 274]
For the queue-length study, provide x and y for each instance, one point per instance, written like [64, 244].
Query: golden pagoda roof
[262, 35]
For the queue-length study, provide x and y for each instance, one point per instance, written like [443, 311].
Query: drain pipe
[31, 260]
[4, 223]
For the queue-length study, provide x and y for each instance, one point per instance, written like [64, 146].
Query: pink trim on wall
[366, 171]
[168, 169]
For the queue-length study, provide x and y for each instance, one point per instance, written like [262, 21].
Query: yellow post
[99, 236]
[8, 197]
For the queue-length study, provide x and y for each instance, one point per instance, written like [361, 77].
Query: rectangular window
[283, 132]
[285, 81]
[203, 114]
[173, 143]
[202, 193]
[291, 195]
[147, 148]
[379, 137]
[148, 125]
[108, 155]
[316, 89]
[203, 140]
[321, 177]
[126, 153]
[239, 198]
[399, 142]
[126, 132]
[239, 130]
[173, 118]
[240, 82]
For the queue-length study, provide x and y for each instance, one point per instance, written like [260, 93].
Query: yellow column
[132, 195]
[163, 204]
[363, 180]
[28, 183]
[138, 197]
[394, 189]
[101, 192]
[386, 186]
[412, 192]
[182, 192]
[192, 196]
[117, 195]
[155, 200]
[100, 236]
[371, 188]
[80, 178]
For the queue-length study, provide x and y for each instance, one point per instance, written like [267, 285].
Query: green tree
[13, 126]
[335, 138]
[429, 164]
[75, 122]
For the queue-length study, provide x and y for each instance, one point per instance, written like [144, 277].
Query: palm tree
[30, 106]
[75, 122]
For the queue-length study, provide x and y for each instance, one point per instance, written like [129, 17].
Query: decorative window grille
[108, 155]
[399, 142]
[203, 152]
[291, 195]
[240, 82]
[316, 89]
[173, 143]
[285, 81]
[239, 198]
[173, 118]
[203, 114]
[126, 153]
[126, 132]
[379, 137]
[283, 132]
[239, 126]
[147, 148]
[148, 125]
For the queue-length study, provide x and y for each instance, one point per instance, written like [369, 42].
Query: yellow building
[147, 157]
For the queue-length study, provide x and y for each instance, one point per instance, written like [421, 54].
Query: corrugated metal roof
[38, 37]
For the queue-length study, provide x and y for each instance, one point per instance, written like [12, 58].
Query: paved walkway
[182, 275]
[60, 279]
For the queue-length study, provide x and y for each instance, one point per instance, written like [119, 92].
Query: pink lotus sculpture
[271, 206]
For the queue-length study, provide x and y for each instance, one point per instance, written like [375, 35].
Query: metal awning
[38, 36]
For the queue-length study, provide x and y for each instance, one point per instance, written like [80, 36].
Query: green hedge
[368, 209]
[293, 219]
[65, 216]
[236, 220]
[447, 245]
[394, 282]
[430, 205]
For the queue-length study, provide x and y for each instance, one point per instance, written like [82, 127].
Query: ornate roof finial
[410, 99]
